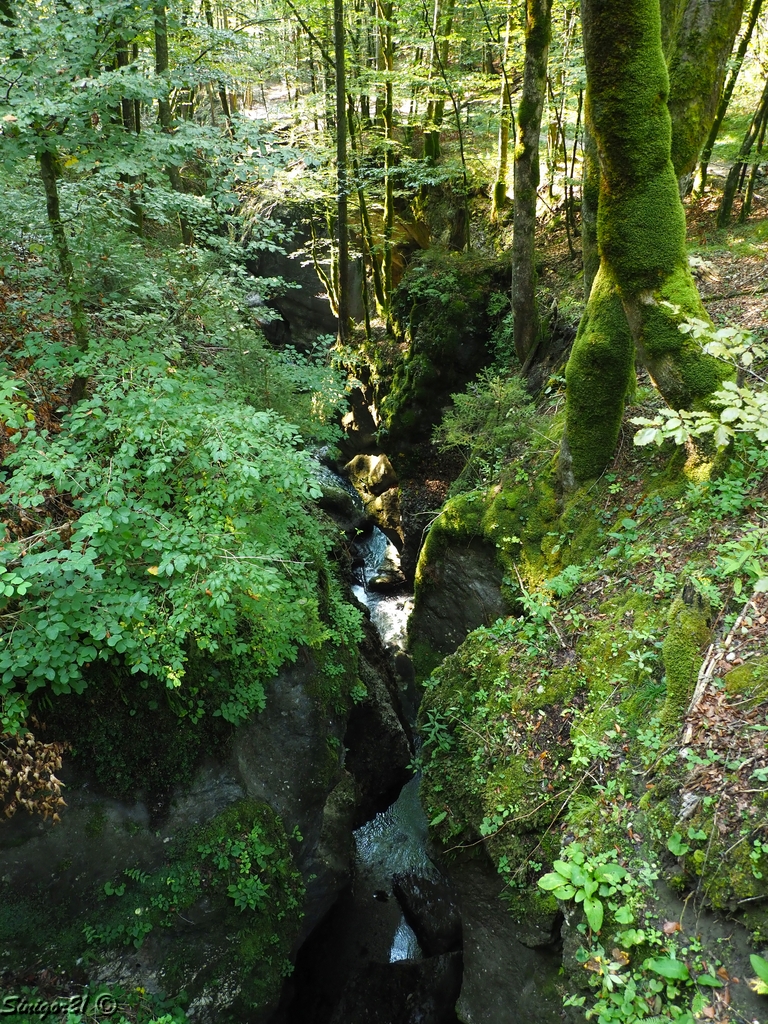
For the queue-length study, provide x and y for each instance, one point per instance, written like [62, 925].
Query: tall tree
[697, 58]
[165, 115]
[725, 98]
[499, 200]
[341, 171]
[525, 313]
[643, 289]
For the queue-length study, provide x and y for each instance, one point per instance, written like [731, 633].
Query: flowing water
[395, 840]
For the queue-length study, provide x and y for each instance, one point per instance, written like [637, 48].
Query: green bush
[490, 424]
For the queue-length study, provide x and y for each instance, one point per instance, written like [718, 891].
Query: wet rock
[284, 755]
[359, 424]
[429, 907]
[458, 591]
[342, 507]
[371, 475]
[387, 582]
[405, 992]
[381, 476]
[384, 509]
[504, 981]
[378, 739]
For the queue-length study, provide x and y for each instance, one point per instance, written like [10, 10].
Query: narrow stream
[366, 929]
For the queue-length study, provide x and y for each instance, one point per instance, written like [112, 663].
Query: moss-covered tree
[697, 58]
[644, 288]
[537, 35]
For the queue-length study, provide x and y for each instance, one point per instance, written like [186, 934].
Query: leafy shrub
[489, 423]
[159, 513]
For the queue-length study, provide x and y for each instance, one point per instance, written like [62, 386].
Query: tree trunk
[164, 107]
[525, 313]
[387, 57]
[342, 290]
[48, 174]
[590, 193]
[697, 62]
[736, 172]
[505, 118]
[725, 99]
[644, 289]
[441, 29]
[746, 207]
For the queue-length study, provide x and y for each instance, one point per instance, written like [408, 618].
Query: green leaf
[646, 436]
[553, 880]
[709, 980]
[610, 872]
[565, 892]
[564, 868]
[759, 966]
[594, 911]
[439, 817]
[668, 968]
[676, 845]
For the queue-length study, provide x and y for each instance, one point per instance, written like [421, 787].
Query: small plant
[760, 967]
[586, 881]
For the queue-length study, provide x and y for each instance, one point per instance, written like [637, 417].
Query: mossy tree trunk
[342, 289]
[725, 99]
[499, 200]
[697, 59]
[590, 193]
[525, 314]
[644, 289]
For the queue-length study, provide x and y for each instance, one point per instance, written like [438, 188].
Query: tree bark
[644, 289]
[342, 290]
[441, 29]
[697, 60]
[499, 200]
[387, 58]
[590, 193]
[736, 172]
[165, 115]
[526, 176]
[48, 175]
[725, 99]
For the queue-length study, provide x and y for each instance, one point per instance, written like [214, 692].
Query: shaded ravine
[344, 964]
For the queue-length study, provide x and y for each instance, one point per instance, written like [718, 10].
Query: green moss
[644, 288]
[517, 521]
[239, 868]
[749, 680]
[598, 376]
[96, 822]
[424, 658]
[440, 310]
[690, 622]
[641, 231]
[684, 375]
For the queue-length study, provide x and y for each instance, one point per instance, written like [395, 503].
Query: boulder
[405, 992]
[429, 907]
[458, 590]
[504, 980]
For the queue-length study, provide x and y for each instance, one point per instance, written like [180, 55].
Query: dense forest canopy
[503, 245]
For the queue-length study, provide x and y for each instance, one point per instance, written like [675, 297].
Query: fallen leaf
[670, 927]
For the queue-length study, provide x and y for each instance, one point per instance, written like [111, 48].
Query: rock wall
[302, 772]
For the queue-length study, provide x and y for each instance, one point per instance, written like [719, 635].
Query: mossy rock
[749, 680]
[690, 625]
[441, 311]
